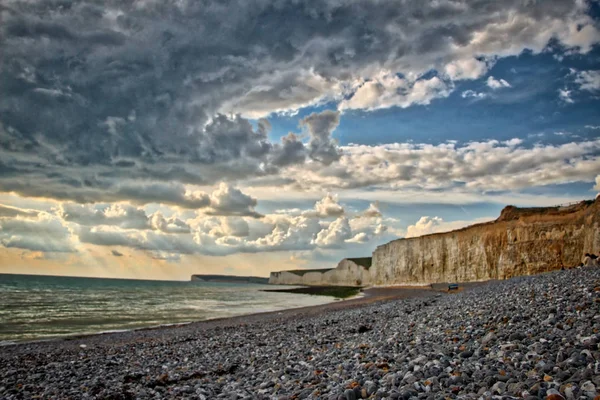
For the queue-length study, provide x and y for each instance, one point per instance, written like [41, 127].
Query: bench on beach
[452, 286]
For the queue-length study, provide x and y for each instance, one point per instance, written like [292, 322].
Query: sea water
[39, 307]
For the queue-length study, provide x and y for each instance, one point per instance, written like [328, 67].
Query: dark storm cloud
[321, 146]
[97, 91]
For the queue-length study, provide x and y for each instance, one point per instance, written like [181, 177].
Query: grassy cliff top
[302, 272]
[364, 262]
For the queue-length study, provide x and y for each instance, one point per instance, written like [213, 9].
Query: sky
[158, 139]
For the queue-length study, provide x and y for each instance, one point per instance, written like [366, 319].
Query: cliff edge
[522, 241]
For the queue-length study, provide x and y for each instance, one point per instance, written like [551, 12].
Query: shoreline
[391, 343]
[366, 296]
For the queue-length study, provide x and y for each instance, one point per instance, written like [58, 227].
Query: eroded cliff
[520, 242]
[349, 272]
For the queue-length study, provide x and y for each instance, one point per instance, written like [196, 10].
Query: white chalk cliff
[522, 241]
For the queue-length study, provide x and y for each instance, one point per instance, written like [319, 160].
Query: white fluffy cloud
[566, 95]
[388, 90]
[373, 211]
[328, 206]
[335, 234]
[470, 68]
[228, 200]
[471, 94]
[588, 80]
[168, 225]
[476, 166]
[427, 225]
[497, 83]
[72, 227]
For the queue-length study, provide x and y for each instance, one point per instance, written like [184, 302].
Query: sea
[34, 307]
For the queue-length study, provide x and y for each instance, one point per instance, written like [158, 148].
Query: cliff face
[349, 272]
[519, 242]
[522, 241]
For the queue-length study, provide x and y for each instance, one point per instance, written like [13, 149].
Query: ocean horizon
[38, 307]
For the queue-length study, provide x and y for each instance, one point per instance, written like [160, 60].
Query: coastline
[366, 296]
[391, 343]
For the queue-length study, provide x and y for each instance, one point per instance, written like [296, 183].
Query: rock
[371, 387]
[555, 396]
[409, 378]
[499, 387]
[568, 390]
[364, 328]
[349, 394]
[489, 337]
[588, 388]
[517, 336]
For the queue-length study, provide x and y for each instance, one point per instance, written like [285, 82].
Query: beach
[528, 337]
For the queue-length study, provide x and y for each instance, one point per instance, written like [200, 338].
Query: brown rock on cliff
[522, 241]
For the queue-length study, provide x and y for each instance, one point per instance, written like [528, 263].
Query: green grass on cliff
[364, 262]
[302, 272]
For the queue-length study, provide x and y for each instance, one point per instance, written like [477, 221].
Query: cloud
[224, 235]
[373, 211]
[150, 241]
[163, 193]
[321, 146]
[140, 107]
[335, 234]
[497, 83]
[8, 211]
[328, 206]
[116, 253]
[597, 186]
[228, 200]
[471, 68]
[388, 90]
[427, 225]
[122, 215]
[168, 225]
[292, 151]
[588, 80]
[473, 94]
[474, 167]
[283, 92]
[44, 233]
[141, 91]
[360, 237]
[566, 95]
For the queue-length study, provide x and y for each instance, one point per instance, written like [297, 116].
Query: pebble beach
[531, 337]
